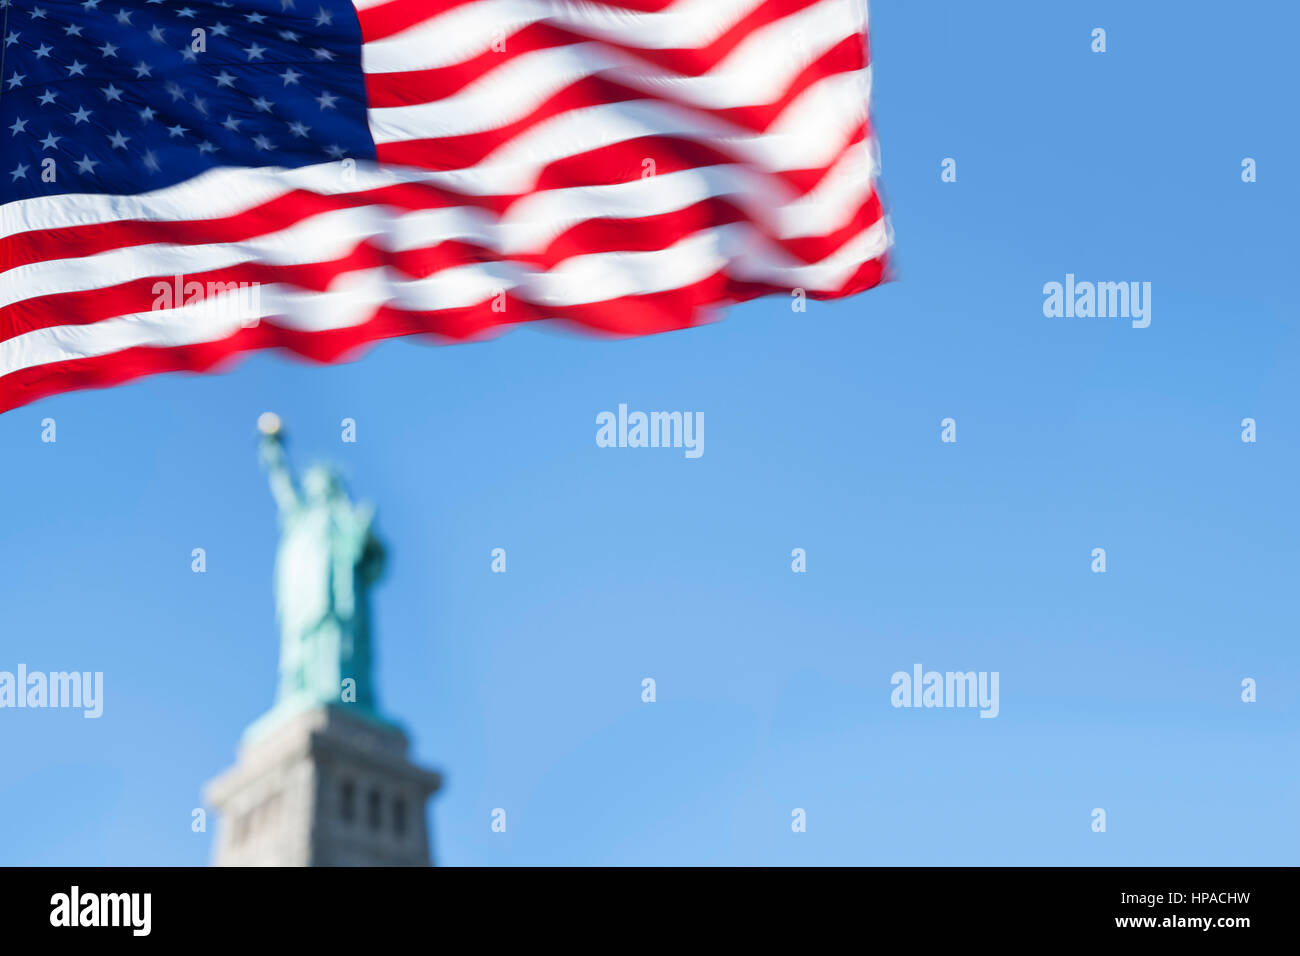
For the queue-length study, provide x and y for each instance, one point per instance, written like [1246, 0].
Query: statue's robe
[328, 558]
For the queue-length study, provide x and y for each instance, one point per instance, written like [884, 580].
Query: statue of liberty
[327, 561]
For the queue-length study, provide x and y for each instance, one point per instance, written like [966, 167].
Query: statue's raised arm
[276, 464]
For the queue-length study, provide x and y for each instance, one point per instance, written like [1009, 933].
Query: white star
[289, 35]
[177, 130]
[46, 98]
[188, 55]
[76, 68]
[298, 129]
[327, 100]
[123, 17]
[42, 51]
[12, 38]
[147, 114]
[20, 126]
[286, 4]
[289, 76]
[231, 123]
[224, 79]
[111, 93]
[16, 79]
[206, 147]
[51, 142]
[142, 69]
[185, 13]
[334, 150]
[150, 160]
[254, 17]
[261, 142]
[263, 104]
[20, 171]
[108, 50]
[201, 105]
[81, 116]
[324, 17]
[72, 31]
[118, 140]
[90, 4]
[157, 34]
[322, 53]
[255, 52]
[219, 29]
[37, 13]
[87, 165]
[175, 90]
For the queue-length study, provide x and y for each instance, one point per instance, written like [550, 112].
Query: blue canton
[128, 96]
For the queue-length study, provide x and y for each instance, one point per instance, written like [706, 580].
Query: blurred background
[1118, 690]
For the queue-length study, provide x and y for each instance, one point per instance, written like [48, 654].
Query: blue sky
[1118, 690]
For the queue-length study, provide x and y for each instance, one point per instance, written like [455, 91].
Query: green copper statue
[328, 560]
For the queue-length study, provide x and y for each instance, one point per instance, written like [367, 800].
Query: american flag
[183, 181]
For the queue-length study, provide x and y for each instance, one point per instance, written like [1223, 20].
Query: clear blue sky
[1119, 690]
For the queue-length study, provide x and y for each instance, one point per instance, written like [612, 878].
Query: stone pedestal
[323, 788]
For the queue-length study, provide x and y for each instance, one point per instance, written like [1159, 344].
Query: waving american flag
[186, 180]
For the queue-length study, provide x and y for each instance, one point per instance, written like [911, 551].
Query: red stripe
[398, 15]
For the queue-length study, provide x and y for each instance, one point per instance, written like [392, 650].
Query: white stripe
[214, 194]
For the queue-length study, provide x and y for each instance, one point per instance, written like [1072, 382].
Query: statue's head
[321, 483]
